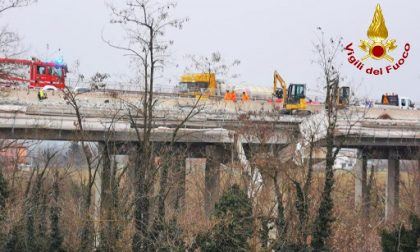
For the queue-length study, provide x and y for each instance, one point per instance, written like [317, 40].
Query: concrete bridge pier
[200, 177]
[360, 189]
[209, 184]
[111, 162]
[103, 188]
[417, 185]
[177, 177]
[392, 185]
[214, 156]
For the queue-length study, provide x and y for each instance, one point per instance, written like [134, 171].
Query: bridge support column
[105, 181]
[360, 183]
[392, 186]
[214, 155]
[417, 185]
[194, 171]
[133, 161]
[178, 178]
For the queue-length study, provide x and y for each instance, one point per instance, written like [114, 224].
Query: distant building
[345, 163]
[13, 156]
[346, 159]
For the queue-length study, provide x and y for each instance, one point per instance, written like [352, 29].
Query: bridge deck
[23, 116]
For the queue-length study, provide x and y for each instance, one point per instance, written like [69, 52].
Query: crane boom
[279, 79]
[15, 61]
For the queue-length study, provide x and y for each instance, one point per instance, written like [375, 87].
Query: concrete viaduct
[216, 124]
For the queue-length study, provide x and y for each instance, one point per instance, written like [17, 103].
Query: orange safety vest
[233, 96]
[386, 100]
[245, 98]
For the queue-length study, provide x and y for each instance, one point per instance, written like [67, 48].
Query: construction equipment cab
[198, 85]
[294, 96]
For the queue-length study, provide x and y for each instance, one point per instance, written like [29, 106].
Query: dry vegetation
[351, 232]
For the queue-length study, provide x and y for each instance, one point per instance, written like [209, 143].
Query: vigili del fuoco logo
[378, 47]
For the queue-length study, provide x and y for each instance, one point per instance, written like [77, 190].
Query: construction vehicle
[294, 96]
[341, 94]
[198, 85]
[394, 101]
[41, 73]
[343, 98]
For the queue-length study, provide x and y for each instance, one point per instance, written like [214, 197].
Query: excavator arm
[279, 79]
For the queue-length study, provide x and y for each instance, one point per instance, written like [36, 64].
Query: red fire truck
[40, 73]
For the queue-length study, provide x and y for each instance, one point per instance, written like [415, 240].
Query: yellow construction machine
[294, 96]
[343, 98]
[197, 85]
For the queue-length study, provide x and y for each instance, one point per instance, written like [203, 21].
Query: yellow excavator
[294, 96]
[343, 98]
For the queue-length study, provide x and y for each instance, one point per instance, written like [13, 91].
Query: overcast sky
[264, 35]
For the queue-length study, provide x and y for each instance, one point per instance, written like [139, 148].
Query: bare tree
[9, 43]
[145, 23]
[103, 178]
[327, 54]
[215, 64]
[35, 205]
[97, 81]
[93, 163]
[9, 40]
[10, 4]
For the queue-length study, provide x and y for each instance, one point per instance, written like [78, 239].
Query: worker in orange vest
[228, 96]
[233, 96]
[245, 97]
[385, 99]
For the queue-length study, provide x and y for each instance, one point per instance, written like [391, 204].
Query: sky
[264, 35]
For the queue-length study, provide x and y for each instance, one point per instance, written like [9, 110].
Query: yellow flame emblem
[378, 33]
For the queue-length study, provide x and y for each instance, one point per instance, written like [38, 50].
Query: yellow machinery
[294, 97]
[198, 85]
[343, 98]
